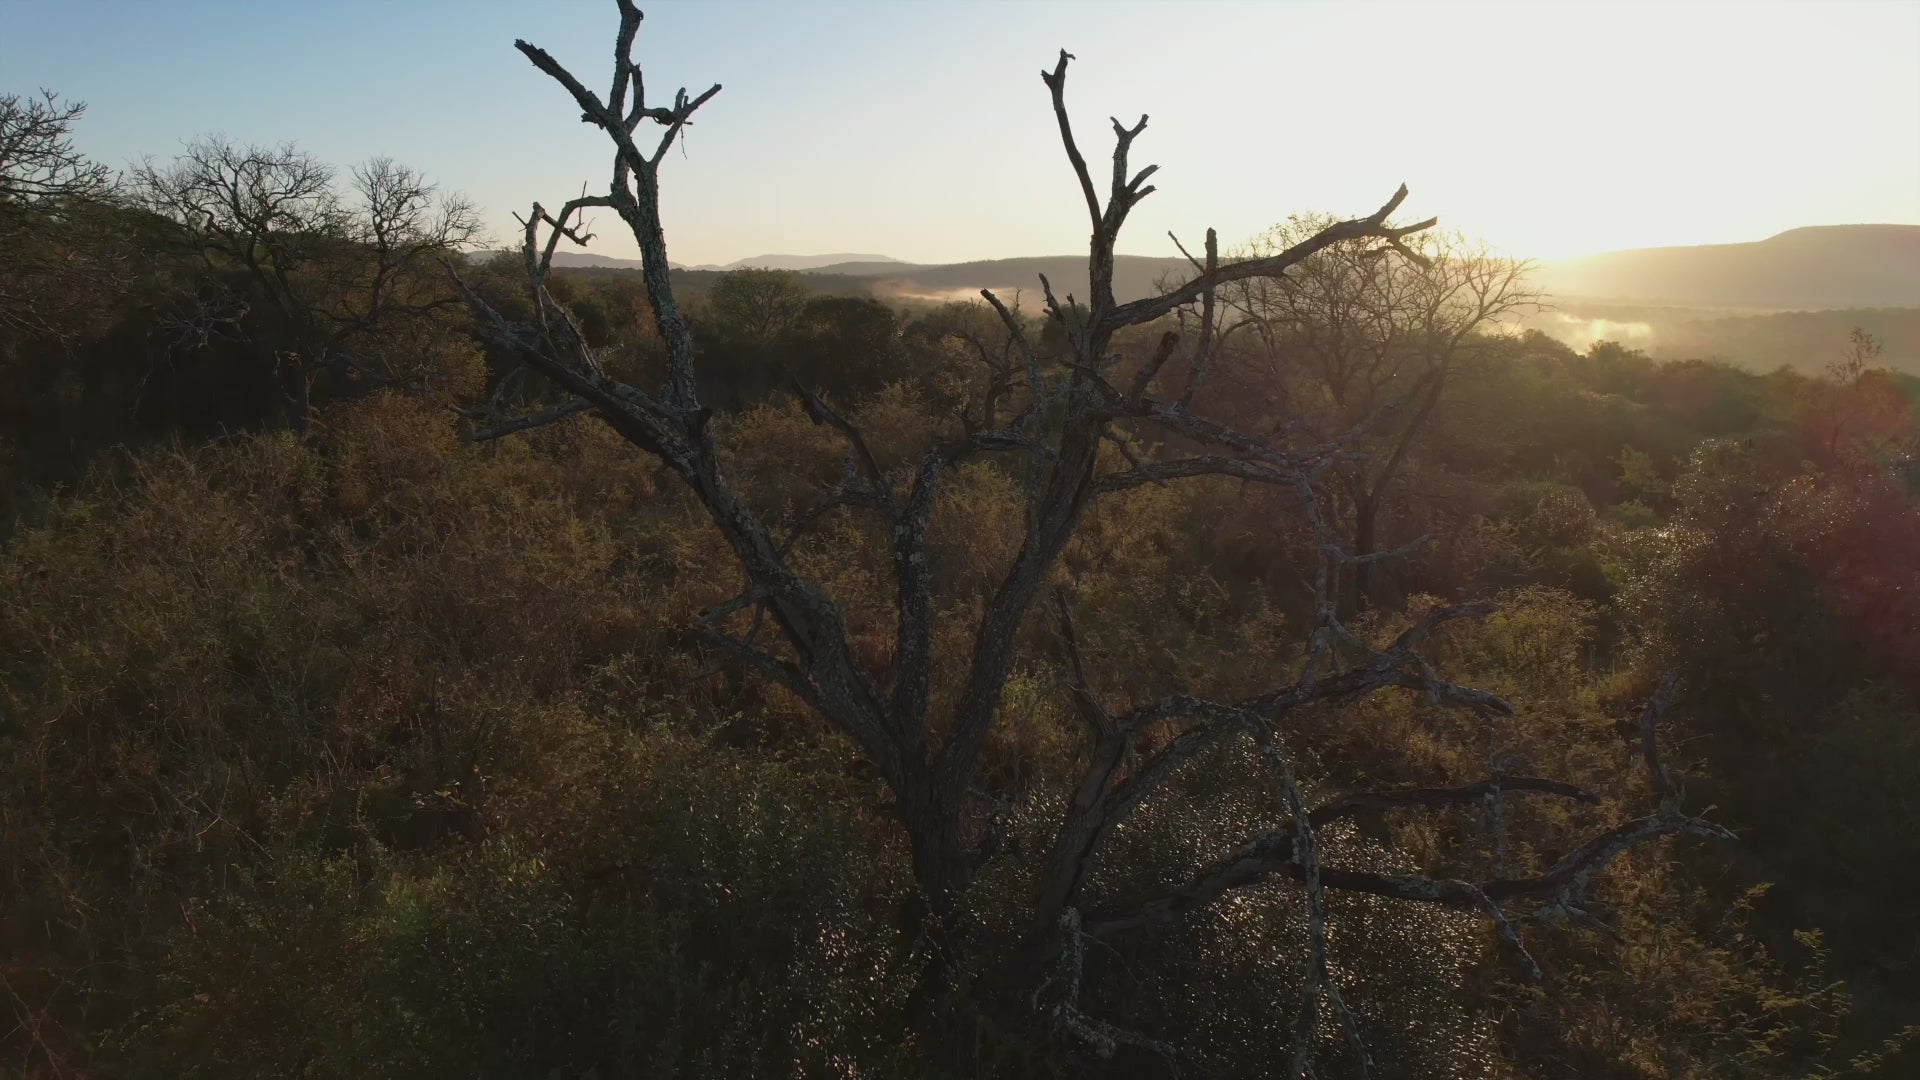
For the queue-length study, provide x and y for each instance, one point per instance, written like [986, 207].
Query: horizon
[1628, 126]
[747, 260]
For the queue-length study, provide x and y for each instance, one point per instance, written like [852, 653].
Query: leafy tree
[1857, 411]
[761, 305]
[848, 345]
[1353, 342]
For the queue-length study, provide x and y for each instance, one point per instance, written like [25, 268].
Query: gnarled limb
[1373, 226]
[1072, 410]
[671, 424]
[1563, 887]
[543, 418]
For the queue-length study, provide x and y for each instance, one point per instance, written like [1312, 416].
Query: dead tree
[64, 255]
[38, 161]
[1070, 409]
[318, 277]
[1354, 334]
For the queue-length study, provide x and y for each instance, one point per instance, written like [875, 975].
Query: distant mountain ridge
[758, 262]
[1815, 268]
[803, 262]
[1821, 266]
[1134, 276]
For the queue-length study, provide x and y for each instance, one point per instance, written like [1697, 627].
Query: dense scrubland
[374, 705]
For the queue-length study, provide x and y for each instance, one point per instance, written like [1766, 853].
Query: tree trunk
[940, 864]
[290, 388]
[942, 871]
[1366, 517]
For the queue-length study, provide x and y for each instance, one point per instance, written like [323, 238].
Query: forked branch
[1069, 417]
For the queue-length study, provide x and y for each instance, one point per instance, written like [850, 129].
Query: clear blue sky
[921, 129]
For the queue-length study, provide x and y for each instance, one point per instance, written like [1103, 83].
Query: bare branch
[1035, 384]
[1271, 854]
[38, 161]
[1203, 352]
[1161, 353]
[1099, 723]
[526, 423]
[1056, 81]
[1060, 433]
[821, 413]
[914, 578]
[638, 202]
[1159, 472]
[1664, 789]
[1372, 226]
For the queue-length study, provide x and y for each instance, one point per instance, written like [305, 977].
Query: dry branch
[1059, 435]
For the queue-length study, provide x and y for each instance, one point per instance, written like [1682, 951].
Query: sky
[920, 129]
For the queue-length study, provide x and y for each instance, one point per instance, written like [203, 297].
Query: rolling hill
[760, 262]
[805, 262]
[1134, 275]
[1826, 266]
[1815, 268]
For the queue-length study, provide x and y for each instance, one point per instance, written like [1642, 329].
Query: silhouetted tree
[318, 279]
[1365, 344]
[960, 337]
[38, 161]
[850, 344]
[760, 305]
[926, 740]
[59, 257]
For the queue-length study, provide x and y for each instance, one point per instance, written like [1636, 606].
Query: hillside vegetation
[415, 663]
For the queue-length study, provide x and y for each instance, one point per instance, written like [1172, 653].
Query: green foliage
[1548, 514]
[760, 305]
[1639, 477]
[299, 785]
[726, 919]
